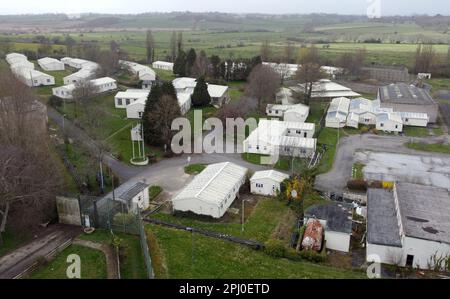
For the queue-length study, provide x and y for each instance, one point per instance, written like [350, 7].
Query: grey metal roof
[403, 93]
[425, 211]
[382, 224]
[130, 193]
[338, 216]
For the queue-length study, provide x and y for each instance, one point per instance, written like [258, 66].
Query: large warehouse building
[212, 191]
[408, 225]
[408, 98]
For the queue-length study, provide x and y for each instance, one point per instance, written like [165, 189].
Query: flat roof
[382, 224]
[403, 93]
[339, 216]
[425, 211]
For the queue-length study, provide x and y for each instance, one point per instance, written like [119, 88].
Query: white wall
[422, 250]
[415, 122]
[142, 200]
[294, 116]
[333, 122]
[133, 110]
[268, 188]
[389, 126]
[337, 241]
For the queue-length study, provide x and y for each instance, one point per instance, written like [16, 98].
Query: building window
[381, 125]
[119, 102]
[140, 114]
[409, 260]
[127, 101]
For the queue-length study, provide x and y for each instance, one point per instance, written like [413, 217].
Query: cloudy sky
[388, 7]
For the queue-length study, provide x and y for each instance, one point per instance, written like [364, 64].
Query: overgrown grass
[329, 138]
[93, 264]
[12, 241]
[194, 168]
[132, 265]
[416, 131]
[194, 256]
[357, 171]
[434, 147]
[154, 191]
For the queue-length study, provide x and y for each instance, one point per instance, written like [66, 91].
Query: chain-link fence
[114, 215]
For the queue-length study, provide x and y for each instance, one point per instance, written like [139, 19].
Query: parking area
[431, 171]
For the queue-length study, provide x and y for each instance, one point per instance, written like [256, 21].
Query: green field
[328, 137]
[93, 264]
[195, 256]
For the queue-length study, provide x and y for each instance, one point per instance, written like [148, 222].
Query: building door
[409, 260]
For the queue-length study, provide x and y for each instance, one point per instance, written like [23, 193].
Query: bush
[364, 129]
[293, 255]
[358, 185]
[55, 101]
[312, 256]
[376, 185]
[124, 219]
[275, 248]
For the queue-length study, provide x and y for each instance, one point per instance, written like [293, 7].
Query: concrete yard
[430, 171]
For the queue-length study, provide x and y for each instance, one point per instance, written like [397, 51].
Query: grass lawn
[357, 171]
[236, 90]
[11, 242]
[194, 168]
[196, 256]
[435, 147]
[154, 191]
[316, 112]
[438, 131]
[267, 214]
[165, 75]
[328, 137]
[416, 131]
[93, 264]
[132, 265]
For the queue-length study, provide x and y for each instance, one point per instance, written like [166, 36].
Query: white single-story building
[218, 93]
[389, 122]
[291, 113]
[337, 220]
[327, 89]
[143, 72]
[51, 64]
[78, 77]
[64, 92]
[337, 113]
[125, 98]
[274, 137]
[137, 198]
[212, 191]
[23, 64]
[12, 58]
[136, 108]
[33, 78]
[163, 65]
[415, 119]
[408, 225]
[267, 182]
[104, 84]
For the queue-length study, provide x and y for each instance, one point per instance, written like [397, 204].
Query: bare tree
[150, 47]
[82, 95]
[353, 62]
[173, 46]
[266, 50]
[424, 58]
[289, 52]
[29, 179]
[263, 83]
[309, 71]
[201, 67]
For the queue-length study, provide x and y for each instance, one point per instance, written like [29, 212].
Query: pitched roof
[270, 174]
[132, 192]
[339, 216]
[214, 183]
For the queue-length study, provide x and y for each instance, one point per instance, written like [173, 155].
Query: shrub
[388, 185]
[55, 101]
[376, 185]
[292, 255]
[364, 129]
[312, 256]
[358, 185]
[275, 248]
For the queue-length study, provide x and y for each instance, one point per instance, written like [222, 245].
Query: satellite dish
[294, 193]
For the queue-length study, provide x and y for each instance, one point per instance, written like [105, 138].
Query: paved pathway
[26, 256]
[335, 181]
[111, 258]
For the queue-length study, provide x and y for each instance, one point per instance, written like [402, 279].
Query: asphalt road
[335, 181]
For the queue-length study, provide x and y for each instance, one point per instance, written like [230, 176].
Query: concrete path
[111, 258]
[26, 256]
[335, 181]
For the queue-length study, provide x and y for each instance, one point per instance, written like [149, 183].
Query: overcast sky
[388, 7]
